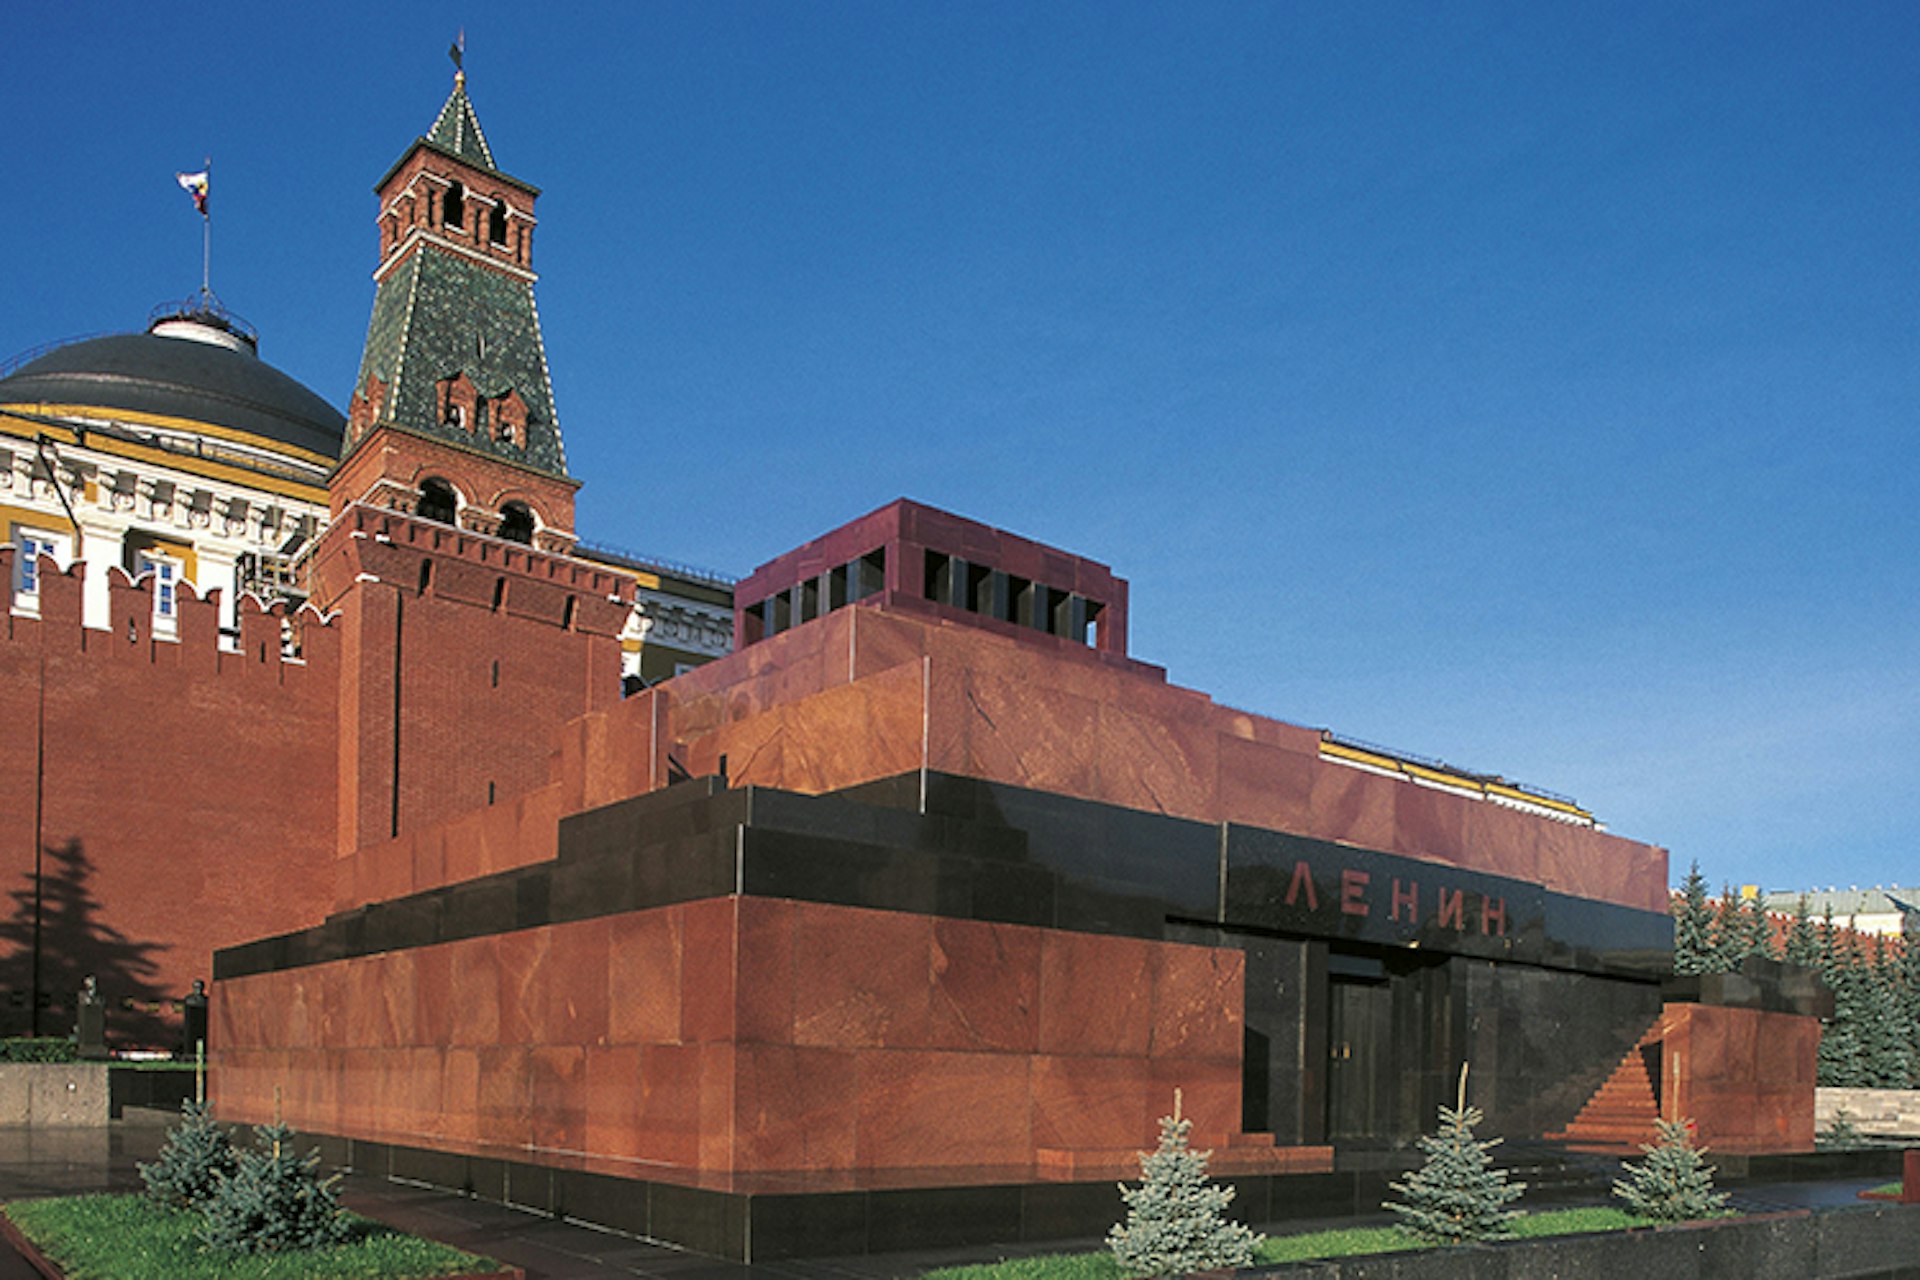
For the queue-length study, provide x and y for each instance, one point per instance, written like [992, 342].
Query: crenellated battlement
[369, 543]
[289, 644]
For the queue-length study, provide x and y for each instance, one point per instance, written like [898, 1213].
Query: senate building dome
[175, 453]
[193, 379]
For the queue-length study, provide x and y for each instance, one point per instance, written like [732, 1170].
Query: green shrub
[1673, 1184]
[1457, 1195]
[273, 1200]
[38, 1049]
[1176, 1218]
[197, 1155]
[1840, 1134]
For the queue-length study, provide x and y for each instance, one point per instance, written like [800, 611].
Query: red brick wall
[486, 483]
[479, 650]
[747, 1035]
[188, 793]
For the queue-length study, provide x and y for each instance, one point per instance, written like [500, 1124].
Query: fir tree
[1842, 1056]
[1840, 1134]
[1910, 990]
[1803, 942]
[1673, 1184]
[1457, 1195]
[1176, 1218]
[1758, 927]
[1885, 1041]
[1693, 926]
[1729, 933]
[197, 1154]
[274, 1200]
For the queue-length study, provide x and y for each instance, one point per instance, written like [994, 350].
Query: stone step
[1078, 1164]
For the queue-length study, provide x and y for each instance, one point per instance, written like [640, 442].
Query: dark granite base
[760, 1222]
[769, 1218]
[992, 852]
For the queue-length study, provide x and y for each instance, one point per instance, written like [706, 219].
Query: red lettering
[1493, 916]
[1353, 889]
[1302, 877]
[1408, 898]
[1453, 905]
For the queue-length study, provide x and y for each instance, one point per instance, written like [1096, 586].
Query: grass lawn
[128, 1237]
[1343, 1243]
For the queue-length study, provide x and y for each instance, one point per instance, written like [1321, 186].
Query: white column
[100, 548]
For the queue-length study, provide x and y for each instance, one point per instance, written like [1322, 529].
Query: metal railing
[1441, 766]
[634, 560]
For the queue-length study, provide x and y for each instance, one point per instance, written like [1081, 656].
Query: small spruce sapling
[197, 1155]
[1674, 1183]
[274, 1200]
[1176, 1218]
[1840, 1134]
[1457, 1195]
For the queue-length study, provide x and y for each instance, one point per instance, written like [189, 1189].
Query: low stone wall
[1833, 1244]
[54, 1095]
[1892, 1113]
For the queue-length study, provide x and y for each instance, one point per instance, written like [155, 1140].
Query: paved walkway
[59, 1163]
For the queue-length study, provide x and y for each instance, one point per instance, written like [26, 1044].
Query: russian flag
[195, 185]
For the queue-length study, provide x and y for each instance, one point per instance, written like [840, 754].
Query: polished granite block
[775, 1035]
[1745, 1076]
[989, 851]
[985, 986]
[794, 1218]
[797, 1107]
[1541, 1041]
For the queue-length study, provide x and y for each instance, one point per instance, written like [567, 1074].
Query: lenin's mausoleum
[902, 920]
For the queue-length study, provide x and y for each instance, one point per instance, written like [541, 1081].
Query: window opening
[870, 574]
[566, 615]
[437, 501]
[980, 582]
[1019, 601]
[453, 206]
[836, 587]
[499, 593]
[32, 544]
[939, 577]
[516, 523]
[166, 578]
[497, 224]
[808, 593]
[426, 576]
[496, 673]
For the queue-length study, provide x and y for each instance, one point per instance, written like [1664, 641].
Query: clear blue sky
[1529, 386]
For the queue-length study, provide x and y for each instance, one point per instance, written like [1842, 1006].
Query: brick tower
[468, 629]
[452, 414]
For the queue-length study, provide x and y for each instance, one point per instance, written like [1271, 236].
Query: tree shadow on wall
[75, 942]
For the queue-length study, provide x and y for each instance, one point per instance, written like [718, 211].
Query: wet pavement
[62, 1162]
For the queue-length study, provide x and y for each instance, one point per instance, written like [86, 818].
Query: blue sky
[1528, 386]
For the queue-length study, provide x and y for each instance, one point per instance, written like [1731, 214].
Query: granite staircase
[1619, 1117]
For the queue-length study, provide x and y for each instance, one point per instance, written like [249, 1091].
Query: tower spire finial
[458, 52]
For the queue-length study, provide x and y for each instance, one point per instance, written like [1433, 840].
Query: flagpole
[206, 239]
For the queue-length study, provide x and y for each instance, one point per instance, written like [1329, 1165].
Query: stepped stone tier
[906, 889]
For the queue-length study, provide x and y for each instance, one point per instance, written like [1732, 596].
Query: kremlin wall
[926, 889]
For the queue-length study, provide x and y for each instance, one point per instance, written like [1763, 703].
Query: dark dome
[202, 375]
